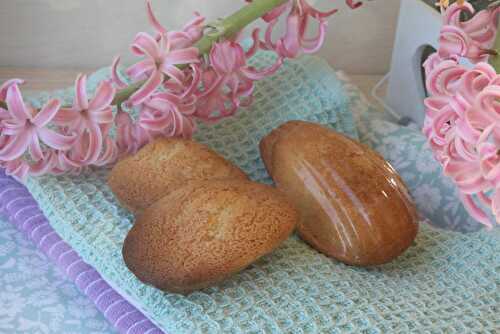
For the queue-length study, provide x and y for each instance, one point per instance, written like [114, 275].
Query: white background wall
[88, 33]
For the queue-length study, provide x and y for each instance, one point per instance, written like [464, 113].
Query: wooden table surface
[38, 79]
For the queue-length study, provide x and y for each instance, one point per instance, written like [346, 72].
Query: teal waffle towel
[446, 283]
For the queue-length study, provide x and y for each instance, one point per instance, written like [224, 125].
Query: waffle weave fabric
[447, 282]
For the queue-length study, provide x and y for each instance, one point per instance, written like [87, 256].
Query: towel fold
[21, 210]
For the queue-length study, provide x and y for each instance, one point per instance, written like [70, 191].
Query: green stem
[226, 28]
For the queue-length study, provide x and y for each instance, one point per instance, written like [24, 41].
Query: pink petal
[102, 116]
[174, 73]
[255, 44]
[471, 183]
[5, 86]
[194, 28]
[16, 105]
[47, 113]
[475, 212]
[66, 116]
[156, 124]
[66, 163]
[440, 77]
[12, 129]
[103, 97]
[4, 114]
[152, 19]
[182, 56]
[227, 57]
[18, 169]
[453, 41]
[44, 166]
[34, 147]
[289, 46]
[179, 40]
[245, 88]
[268, 35]
[147, 89]
[214, 88]
[164, 100]
[109, 155]
[318, 41]
[196, 74]
[466, 131]
[274, 14]
[353, 4]
[81, 99]
[57, 140]
[145, 45]
[124, 138]
[114, 74]
[141, 136]
[259, 75]
[139, 69]
[15, 147]
[323, 15]
[452, 14]
[94, 145]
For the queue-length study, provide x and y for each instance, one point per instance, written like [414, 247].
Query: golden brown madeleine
[205, 232]
[354, 206]
[164, 165]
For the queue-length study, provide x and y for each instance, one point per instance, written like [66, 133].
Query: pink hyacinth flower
[213, 103]
[189, 86]
[168, 115]
[472, 38]
[230, 80]
[189, 35]
[125, 139]
[295, 41]
[160, 61]
[26, 128]
[462, 126]
[88, 119]
[445, 77]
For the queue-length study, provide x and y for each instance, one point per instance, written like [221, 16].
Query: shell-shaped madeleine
[163, 166]
[354, 206]
[205, 232]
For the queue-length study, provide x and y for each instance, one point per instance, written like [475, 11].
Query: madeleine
[163, 166]
[354, 206]
[205, 232]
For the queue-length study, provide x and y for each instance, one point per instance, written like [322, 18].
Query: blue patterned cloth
[35, 297]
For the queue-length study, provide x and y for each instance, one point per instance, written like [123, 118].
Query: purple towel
[20, 209]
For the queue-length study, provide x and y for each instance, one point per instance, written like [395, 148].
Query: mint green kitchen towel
[445, 283]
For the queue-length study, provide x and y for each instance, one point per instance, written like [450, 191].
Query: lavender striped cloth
[20, 209]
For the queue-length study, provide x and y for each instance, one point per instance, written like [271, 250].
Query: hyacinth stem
[225, 28]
